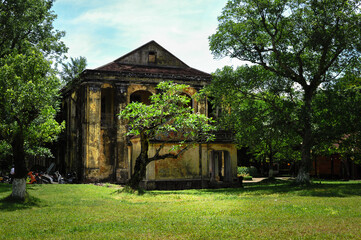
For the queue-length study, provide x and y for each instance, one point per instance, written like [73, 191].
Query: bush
[243, 171]
[247, 172]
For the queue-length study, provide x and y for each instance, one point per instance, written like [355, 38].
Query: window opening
[141, 96]
[107, 107]
[152, 57]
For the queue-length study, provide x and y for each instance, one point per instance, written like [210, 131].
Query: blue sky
[104, 30]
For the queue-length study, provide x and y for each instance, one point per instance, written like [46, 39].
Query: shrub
[247, 171]
[243, 171]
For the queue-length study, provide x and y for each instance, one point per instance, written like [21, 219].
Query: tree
[338, 109]
[29, 99]
[29, 23]
[307, 43]
[29, 86]
[168, 113]
[72, 69]
[257, 111]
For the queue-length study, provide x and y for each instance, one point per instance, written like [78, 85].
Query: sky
[104, 30]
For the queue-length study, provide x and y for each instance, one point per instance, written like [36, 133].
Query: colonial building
[95, 144]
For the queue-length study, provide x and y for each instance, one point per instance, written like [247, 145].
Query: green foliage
[243, 171]
[26, 24]
[29, 96]
[29, 92]
[168, 113]
[261, 112]
[302, 48]
[247, 171]
[72, 69]
[29, 86]
[295, 39]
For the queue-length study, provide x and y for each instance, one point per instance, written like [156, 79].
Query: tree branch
[168, 155]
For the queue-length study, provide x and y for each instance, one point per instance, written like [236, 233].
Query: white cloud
[105, 30]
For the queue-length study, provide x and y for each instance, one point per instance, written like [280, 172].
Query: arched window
[141, 96]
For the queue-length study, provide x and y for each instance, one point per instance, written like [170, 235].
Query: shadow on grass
[10, 204]
[285, 187]
[289, 188]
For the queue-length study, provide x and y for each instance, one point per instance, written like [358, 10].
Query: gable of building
[151, 54]
[152, 60]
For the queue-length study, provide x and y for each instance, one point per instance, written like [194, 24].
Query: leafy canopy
[29, 23]
[72, 69]
[29, 87]
[167, 113]
[306, 41]
[309, 45]
[259, 111]
[29, 97]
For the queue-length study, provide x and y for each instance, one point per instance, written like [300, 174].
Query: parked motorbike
[46, 178]
[33, 177]
[58, 178]
[71, 178]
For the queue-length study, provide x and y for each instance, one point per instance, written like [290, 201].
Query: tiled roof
[149, 69]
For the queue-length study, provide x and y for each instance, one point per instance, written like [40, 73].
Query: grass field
[330, 210]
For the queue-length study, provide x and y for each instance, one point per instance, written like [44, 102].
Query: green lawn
[331, 210]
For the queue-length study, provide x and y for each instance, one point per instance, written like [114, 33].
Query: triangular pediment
[151, 54]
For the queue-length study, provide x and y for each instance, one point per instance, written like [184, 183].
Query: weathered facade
[95, 144]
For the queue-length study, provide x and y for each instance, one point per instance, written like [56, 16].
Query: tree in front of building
[307, 44]
[168, 118]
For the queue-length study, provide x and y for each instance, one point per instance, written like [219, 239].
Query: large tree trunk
[140, 164]
[19, 183]
[138, 174]
[19, 188]
[303, 176]
[270, 167]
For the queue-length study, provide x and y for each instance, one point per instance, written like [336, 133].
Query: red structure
[334, 166]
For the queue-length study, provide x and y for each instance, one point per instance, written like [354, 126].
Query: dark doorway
[220, 167]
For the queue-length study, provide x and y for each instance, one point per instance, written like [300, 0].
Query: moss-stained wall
[92, 135]
[107, 154]
[193, 164]
[185, 166]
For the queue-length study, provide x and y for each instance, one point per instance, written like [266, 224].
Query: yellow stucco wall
[102, 153]
[186, 166]
[92, 144]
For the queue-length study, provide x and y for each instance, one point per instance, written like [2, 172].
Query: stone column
[121, 162]
[92, 131]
